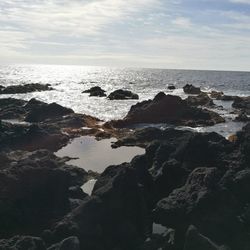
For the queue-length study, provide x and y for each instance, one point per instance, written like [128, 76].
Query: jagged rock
[26, 88]
[121, 94]
[34, 190]
[113, 217]
[95, 91]
[190, 89]
[168, 109]
[22, 243]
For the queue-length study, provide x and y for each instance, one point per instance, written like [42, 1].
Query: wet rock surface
[121, 94]
[168, 109]
[26, 88]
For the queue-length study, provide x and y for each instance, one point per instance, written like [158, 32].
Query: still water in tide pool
[96, 155]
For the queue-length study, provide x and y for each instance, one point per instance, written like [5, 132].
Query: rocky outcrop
[242, 103]
[121, 94]
[95, 91]
[26, 88]
[54, 125]
[192, 90]
[114, 217]
[30, 137]
[200, 100]
[43, 111]
[168, 109]
[34, 190]
[216, 94]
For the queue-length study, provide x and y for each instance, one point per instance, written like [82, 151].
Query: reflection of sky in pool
[97, 155]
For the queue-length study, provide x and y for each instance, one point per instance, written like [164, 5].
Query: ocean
[70, 81]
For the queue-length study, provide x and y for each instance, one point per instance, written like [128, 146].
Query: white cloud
[182, 22]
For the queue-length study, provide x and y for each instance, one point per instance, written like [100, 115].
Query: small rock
[190, 89]
[122, 95]
[95, 91]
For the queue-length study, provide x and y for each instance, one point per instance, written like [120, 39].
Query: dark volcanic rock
[114, 217]
[23, 243]
[168, 109]
[242, 117]
[121, 94]
[11, 108]
[190, 89]
[200, 100]
[95, 91]
[195, 240]
[71, 243]
[242, 103]
[26, 88]
[226, 97]
[34, 190]
[171, 87]
[216, 94]
[47, 111]
[30, 137]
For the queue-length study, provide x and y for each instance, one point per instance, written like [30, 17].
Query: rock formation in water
[171, 110]
[26, 88]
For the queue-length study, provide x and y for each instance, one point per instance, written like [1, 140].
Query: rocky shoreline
[194, 186]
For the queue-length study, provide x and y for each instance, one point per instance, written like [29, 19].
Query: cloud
[69, 18]
[240, 1]
[148, 33]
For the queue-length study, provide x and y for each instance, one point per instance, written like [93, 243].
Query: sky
[182, 34]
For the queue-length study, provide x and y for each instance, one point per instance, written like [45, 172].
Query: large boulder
[113, 218]
[30, 137]
[200, 100]
[121, 94]
[11, 108]
[190, 89]
[46, 111]
[242, 103]
[26, 88]
[34, 190]
[168, 109]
